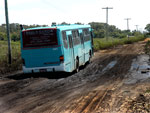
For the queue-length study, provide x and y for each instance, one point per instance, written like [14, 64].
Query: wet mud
[106, 85]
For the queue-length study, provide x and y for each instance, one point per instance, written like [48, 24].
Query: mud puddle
[109, 84]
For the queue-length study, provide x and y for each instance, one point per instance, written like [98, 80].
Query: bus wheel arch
[90, 55]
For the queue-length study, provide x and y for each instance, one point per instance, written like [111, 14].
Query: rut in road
[93, 89]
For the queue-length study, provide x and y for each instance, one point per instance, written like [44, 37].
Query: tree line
[99, 30]
[14, 30]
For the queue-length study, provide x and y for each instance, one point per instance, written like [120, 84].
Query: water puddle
[140, 70]
[110, 65]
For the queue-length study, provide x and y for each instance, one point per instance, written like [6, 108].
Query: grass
[147, 91]
[16, 59]
[102, 43]
[16, 55]
[147, 47]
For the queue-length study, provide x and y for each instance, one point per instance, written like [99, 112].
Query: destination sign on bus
[39, 38]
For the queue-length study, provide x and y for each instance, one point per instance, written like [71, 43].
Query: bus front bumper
[60, 68]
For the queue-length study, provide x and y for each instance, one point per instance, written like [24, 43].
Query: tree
[148, 27]
[79, 23]
[64, 23]
[2, 36]
[100, 30]
[15, 36]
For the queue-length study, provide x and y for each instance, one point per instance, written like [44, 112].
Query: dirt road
[114, 82]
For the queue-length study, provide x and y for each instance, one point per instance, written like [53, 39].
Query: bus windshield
[39, 38]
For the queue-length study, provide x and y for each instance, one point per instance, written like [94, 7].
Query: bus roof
[61, 27]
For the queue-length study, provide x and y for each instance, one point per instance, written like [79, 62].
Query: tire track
[88, 91]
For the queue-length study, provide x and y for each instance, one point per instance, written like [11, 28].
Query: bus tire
[77, 65]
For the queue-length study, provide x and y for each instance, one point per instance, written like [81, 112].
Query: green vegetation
[148, 30]
[147, 48]
[147, 91]
[16, 59]
[102, 43]
[148, 27]
[99, 43]
[117, 37]
[99, 30]
[14, 31]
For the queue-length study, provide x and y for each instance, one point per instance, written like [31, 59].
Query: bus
[59, 48]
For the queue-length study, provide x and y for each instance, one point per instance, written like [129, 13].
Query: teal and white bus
[57, 48]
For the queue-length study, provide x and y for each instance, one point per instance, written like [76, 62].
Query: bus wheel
[77, 65]
[89, 61]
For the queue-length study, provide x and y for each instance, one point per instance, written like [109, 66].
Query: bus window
[64, 39]
[81, 38]
[86, 34]
[76, 38]
[70, 41]
[39, 38]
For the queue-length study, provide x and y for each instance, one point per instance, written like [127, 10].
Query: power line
[107, 20]
[8, 32]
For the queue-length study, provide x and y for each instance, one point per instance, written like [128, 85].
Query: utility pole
[127, 22]
[8, 32]
[136, 27]
[107, 20]
[128, 26]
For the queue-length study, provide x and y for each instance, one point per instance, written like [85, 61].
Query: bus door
[82, 47]
[71, 52]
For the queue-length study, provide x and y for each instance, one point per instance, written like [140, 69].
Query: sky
[71, 11]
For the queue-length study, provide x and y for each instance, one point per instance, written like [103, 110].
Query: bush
[16, 57]
[102, 43]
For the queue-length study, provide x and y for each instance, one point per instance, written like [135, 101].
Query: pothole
[110, 65]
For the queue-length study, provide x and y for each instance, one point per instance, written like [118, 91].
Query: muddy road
[117, 80]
